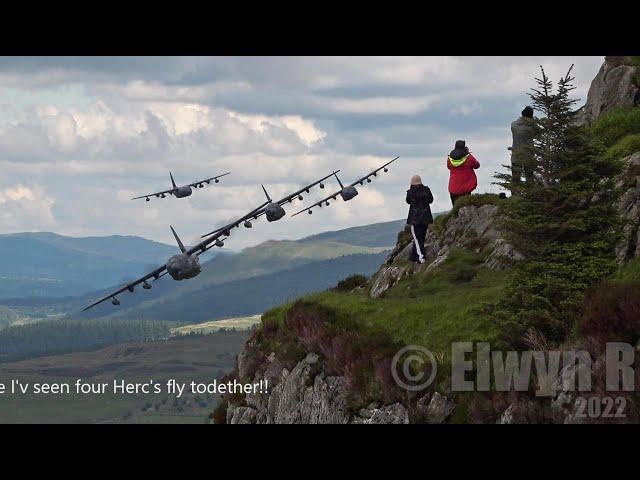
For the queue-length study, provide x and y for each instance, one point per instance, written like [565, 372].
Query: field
[206, 328]
[184, 359]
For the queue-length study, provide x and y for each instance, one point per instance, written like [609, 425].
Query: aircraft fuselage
[182, 266]
[274, 212]
[348, 193]
[182, 192]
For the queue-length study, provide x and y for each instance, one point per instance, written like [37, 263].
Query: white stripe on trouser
[417, 243]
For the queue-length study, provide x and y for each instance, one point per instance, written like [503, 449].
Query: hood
[458, 153]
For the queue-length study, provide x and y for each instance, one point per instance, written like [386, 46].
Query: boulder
[629, 209]
[613, 87]
[386, 278]
[503, 256]
[439, 408]
[391, 414]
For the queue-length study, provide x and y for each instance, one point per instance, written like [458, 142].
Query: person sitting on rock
[419, 197]
[461, 165]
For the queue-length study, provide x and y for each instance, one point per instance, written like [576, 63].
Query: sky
[81, 136]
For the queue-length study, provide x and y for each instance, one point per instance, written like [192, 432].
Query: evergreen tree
[563, 220]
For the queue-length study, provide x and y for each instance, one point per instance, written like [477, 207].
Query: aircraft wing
[252, 214]
[289, 198]
[361, 180]
[207, 180]
[156, 194]
[292, 196]
[319, 203]
[157, 273]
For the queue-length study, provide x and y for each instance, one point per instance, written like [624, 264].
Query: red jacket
[462, 178]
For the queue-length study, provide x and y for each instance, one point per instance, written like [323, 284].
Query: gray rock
[386, 278]
[241, 415]
[325, 402]
[507, 417]
[439, 409]
[286, 397]
[503, 256]
[612, 88]
[629, 209]
[395, 414]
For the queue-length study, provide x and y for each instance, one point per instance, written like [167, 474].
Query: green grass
[624, 147]
[612, 127]
[431, 310]
[630, 271]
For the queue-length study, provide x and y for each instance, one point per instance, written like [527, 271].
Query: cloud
[25, 208]
[80, 136]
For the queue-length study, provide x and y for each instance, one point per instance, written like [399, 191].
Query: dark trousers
[454, 197]
[418, 233]
[517, 169]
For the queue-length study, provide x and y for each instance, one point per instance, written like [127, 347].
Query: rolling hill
[49, 265]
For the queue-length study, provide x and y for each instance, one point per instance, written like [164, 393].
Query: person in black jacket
[419, 197]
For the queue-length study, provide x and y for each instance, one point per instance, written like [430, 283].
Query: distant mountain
[264, 259]
[51, 265]
[375, 235]
[249, 295]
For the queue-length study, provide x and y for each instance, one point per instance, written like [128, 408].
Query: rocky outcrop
[629, 209]
[307, 395]
[472, 228]
[613, 87]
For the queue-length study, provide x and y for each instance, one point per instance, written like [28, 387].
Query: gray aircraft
[273, 211]
[348, 192]
[183, 191]
[184, 265]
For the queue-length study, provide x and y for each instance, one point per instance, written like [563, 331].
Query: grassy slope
[431, 310]
[266, 258]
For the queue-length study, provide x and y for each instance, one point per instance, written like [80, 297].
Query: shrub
[611, 312]
[462, 266]
[612, 126]
[624, 147]
[363, 358]
[349, 283]
[219, 415]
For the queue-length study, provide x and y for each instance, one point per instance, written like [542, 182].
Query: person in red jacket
[461, 165]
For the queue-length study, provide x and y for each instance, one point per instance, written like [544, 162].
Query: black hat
[459, 151]
[527, 112]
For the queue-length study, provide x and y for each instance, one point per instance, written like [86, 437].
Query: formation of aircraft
[348, 192]
[182, 266]
[186, 264]
[183, 191]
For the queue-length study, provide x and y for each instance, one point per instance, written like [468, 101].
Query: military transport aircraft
[348, 192]
[273, 210]
[184, 191]
[184, 265]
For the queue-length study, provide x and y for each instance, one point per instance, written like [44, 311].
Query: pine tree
[563, 220]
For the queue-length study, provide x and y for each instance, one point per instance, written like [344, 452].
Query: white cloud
[101, 131]
[25, 208]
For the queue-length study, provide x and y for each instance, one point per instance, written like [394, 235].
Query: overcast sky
[80, 136]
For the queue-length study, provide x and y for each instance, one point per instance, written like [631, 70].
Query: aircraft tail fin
[265, 192]
[182, 249]
[172, 180]
[336, 175]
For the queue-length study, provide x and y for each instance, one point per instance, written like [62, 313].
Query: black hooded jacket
[419, 197]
